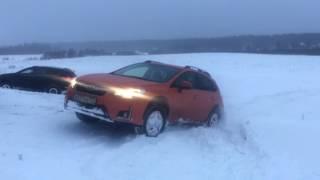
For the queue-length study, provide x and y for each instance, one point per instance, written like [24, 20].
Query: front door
[184, 99]
[23, 79]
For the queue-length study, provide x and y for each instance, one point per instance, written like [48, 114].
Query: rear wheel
[214, 117]
[87, 119]
[155, 121]
[54, 90]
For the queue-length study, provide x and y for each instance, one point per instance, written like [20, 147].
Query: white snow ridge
[270, 132]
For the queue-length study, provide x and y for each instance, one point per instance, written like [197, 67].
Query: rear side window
[40, 71]
[66, 73]
[204, 83]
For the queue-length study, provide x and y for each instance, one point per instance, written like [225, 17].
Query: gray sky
[81, 20]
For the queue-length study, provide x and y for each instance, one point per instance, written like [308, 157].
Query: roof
[193, 68]
[54, 68]
[157, 62]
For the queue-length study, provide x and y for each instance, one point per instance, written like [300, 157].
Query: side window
[187, 76]
[51, 72]
[27, 71]
[40, 71]
[54, 72]
[66, 73]
[204, 83]
[158, 74]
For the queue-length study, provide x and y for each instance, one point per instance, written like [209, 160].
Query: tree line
[308, 44]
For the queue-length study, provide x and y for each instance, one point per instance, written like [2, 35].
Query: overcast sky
[82, 20]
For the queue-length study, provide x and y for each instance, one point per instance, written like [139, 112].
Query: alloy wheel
[213, 120]
[53, 91]
[6, 86]
[154, 124]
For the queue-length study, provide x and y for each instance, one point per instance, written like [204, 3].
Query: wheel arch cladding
[217, 108]
[159, 101]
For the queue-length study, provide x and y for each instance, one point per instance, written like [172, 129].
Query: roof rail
[198, 69]
[151, 61]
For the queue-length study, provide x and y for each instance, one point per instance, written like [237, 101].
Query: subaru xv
[147, 95]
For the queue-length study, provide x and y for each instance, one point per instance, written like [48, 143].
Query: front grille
[90, 89]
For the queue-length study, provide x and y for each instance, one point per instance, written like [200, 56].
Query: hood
[6, 75]
[109, 80]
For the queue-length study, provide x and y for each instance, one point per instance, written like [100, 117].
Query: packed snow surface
[271, 130]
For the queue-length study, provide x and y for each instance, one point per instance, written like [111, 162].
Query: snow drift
[270, 132]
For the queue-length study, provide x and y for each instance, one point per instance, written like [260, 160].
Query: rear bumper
[95, 112]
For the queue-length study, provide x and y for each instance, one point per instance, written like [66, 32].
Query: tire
[154, 121]
[214, 117]
[54, 90]
[5, 85]
[87, 119]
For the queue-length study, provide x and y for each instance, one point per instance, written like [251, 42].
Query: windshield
[149, 72]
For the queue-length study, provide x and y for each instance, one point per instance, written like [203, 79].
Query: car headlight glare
[73, 82]
[129, 93]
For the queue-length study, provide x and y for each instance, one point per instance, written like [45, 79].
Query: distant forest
[306, 44]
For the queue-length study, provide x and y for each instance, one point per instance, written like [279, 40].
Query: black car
[39, 78]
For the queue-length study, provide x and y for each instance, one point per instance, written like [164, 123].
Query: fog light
[124, 114]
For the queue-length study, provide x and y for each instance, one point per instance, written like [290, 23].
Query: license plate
[85, 99]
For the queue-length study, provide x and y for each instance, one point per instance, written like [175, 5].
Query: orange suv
[146, 95]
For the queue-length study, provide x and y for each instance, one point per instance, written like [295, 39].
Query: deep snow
[271, 129]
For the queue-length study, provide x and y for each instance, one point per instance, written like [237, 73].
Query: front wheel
[155, 121]
[5, 85]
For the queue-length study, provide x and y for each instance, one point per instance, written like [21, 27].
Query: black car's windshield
[150, 72]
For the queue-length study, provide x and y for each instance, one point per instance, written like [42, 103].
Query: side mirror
[184, 85]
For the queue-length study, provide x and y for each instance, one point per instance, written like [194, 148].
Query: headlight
[73, 82]
[129, 93]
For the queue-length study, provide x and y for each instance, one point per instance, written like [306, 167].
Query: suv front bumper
[95, 112]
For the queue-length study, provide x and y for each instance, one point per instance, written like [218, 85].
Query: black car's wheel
[54, 90]
[214, 117]
[5, 85]
[87, 119]
[154, 121]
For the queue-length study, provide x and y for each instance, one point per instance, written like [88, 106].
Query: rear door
[46, 78]
[205, 96]
[59, 78]
[40, 79]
